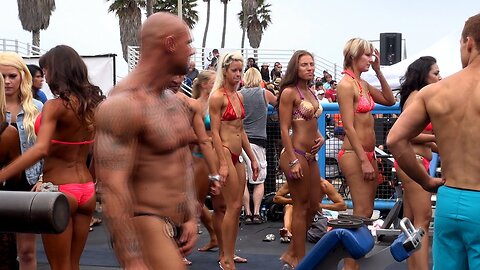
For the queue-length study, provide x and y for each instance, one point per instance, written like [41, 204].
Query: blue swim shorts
[456, 239]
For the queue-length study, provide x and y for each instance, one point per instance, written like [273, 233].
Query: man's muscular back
[454, 110]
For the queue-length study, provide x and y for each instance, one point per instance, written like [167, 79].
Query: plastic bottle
[263, 212]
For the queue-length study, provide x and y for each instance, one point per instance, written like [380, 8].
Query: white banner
[101, 71]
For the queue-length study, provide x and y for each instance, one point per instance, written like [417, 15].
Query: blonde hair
[3, 106]
[202, 77]
[224, 62]
[252, 78]
[26, 97]
[353, 49]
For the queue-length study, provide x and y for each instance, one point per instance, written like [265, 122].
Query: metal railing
[22, 48]
[385, 195]
[203, 56]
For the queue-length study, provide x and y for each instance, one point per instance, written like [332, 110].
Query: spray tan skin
[452, 106]
[304, 176]
[416, 201]
[360, 173]
[142, 154]
[232, 135]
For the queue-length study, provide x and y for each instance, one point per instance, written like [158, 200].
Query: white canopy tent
[101, 71]
[446, 51]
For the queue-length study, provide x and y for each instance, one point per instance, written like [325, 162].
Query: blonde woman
[9, 150]
[356, 99]
[229, 138]
[22, 110]
[202, 85]
[256, 100]
[65, 130]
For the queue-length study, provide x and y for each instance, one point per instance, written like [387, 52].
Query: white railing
[203, 56]
[133, 56]
[22, 48]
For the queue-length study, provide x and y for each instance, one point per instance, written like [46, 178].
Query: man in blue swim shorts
[453, 107]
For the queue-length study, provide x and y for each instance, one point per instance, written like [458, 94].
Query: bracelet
[293, 163]
[214, 177]
[40, 178]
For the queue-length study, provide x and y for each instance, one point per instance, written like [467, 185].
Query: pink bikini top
[38, 121]
[305, 110]
[365, 104]
[230, 114]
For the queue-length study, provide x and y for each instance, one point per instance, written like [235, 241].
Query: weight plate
[365, 220]
[345, 223]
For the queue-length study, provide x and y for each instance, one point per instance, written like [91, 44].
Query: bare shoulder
[122, 111]
[346, 85]
[288, 93]
[216, 98]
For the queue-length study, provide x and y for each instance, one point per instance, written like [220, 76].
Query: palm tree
[149, 7]
[190, 15]
[129, 20]
[248, 8]
[35, 16]
[204, 42]
[225, 3]
[256, 23]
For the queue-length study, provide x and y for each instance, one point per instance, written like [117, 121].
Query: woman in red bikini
[226, 120]
[356, 99]
[416, 201]
[299, 109]
[64, 138]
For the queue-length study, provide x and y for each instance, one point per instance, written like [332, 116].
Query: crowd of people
[158, 152]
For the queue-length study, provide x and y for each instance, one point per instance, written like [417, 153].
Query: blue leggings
[456, 240]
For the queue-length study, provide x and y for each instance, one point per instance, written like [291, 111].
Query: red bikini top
[38, 121]
[230, 114]
[429, 127]
[364, 104]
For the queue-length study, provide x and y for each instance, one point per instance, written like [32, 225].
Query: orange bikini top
[230, 114]
[365, 104]
[305, 110]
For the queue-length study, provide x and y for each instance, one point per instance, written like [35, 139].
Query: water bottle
[263, 212]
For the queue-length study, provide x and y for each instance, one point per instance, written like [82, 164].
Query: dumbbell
[407, 242]
[33, 212]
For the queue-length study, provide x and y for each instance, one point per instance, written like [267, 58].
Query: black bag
[318, 228]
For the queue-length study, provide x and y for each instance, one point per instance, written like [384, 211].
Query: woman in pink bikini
[356, 99]
[299, 109]
[226, 121]
[65, 131]
[416, 201]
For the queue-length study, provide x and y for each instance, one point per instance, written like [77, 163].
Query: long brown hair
[68, 77]
[291, 75]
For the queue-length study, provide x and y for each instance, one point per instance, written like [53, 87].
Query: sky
[319, 26]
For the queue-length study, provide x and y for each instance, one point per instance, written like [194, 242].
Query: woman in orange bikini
[64, 138]
[416, 201]
[299, 110]
[356, 99]
[226, 118]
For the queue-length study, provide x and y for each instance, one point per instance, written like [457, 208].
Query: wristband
[293, 163]
[214, 177]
